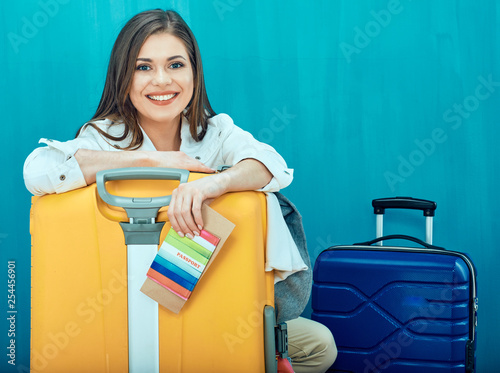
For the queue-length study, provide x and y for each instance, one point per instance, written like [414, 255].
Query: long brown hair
[115, 103]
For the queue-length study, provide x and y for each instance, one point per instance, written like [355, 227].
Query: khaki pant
[310, 346]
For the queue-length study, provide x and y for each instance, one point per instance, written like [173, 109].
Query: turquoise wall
[364, 99]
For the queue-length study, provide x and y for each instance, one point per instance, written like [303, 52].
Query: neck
[165, 136]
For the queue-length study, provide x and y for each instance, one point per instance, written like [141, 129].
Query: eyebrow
[168, 59]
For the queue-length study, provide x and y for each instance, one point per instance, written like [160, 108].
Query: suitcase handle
[428, 207]
[400, 237]
[143, 208]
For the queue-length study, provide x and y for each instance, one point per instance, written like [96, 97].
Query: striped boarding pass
[207, 240]
[185, 263]
[188, 246]
[168, 284]
[181, 262]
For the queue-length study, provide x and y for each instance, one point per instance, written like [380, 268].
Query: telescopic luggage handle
[428, 207]
[142, 236]
[143, 208]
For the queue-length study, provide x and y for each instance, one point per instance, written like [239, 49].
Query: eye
[143, 68]
[176, 65]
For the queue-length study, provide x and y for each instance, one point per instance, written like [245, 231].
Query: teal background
[364, 99]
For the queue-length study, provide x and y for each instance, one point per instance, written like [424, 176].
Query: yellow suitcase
[79, 313]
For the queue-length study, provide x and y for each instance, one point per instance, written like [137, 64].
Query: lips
[162, 98]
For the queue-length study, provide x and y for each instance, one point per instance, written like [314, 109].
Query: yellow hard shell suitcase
[79, 313]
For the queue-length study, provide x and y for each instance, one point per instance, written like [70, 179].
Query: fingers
[192, 164]
[184, 211]
[202, 168]
[196, 210]
[177, 159]
[195, 165]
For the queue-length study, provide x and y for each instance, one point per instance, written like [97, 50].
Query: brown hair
[115, 102]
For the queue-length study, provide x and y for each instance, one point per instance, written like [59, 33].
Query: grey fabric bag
[291, 295]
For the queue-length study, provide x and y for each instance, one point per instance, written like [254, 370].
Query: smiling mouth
[162, 97]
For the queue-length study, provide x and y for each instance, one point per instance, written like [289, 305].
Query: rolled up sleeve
[53, 168]
[240, 145]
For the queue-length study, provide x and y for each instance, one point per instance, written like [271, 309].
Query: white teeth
[163, 97]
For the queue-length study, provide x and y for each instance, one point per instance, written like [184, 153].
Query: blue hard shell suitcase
[398, 309]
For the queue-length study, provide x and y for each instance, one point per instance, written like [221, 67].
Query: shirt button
[197, 157]
[62, 177]
[68, 157]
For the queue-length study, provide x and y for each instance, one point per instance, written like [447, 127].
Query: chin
[162, 118]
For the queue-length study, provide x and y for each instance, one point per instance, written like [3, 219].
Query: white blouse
[54, 169]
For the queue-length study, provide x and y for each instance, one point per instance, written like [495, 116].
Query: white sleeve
[54, 169]
[239, 144]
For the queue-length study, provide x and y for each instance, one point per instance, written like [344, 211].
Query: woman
[154, 111]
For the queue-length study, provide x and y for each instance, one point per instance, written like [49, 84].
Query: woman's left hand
[184, 211]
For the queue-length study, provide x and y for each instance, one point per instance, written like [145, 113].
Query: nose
[162, 77]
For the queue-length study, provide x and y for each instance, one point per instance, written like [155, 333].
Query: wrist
[145, 159]
[223, 181]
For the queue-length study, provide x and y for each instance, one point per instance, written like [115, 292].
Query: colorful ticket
[181, 262]
[188, 246]
[167, 249]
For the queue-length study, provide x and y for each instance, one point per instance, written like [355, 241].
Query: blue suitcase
[398, 309]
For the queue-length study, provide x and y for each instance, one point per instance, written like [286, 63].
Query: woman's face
[162, 85]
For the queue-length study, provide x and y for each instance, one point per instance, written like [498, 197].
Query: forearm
[249, 174]
[93, 161]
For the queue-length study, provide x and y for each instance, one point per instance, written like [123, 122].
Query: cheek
[138, 85]
[189, 84]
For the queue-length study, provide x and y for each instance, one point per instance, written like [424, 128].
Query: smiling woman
[155, 103]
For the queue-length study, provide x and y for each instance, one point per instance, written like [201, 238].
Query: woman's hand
[184, 211]
[177, 159]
